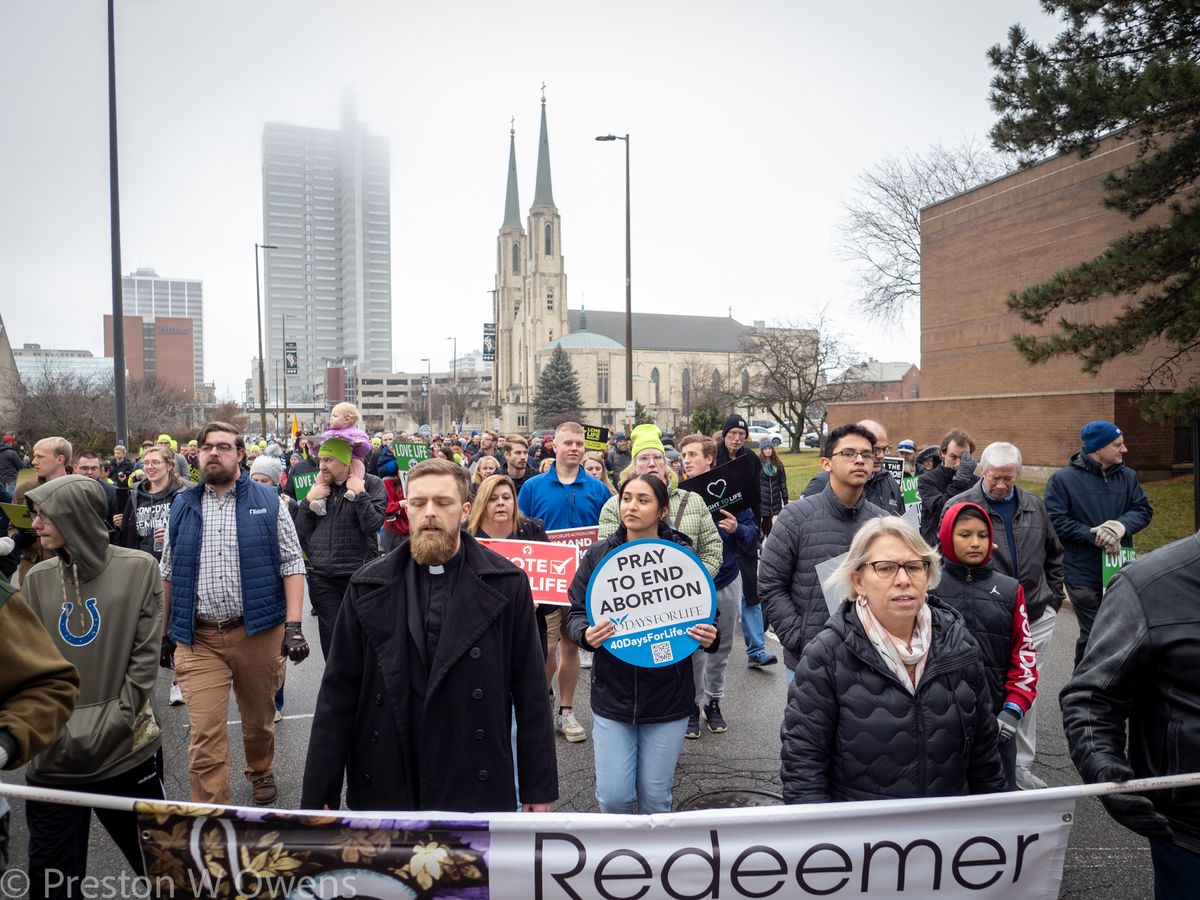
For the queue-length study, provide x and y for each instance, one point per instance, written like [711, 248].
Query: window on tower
[549, 239]
[602, 382]
[516, 258]
[654, 384]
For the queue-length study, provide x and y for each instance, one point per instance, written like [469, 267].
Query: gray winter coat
[808, 531]
[1039, 552]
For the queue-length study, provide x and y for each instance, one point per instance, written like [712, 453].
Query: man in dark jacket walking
[434, 652]
[936, 486]
[11, 462]
[1096, 505]
[811, 531]
[881, 488]
[1136, 688]
[1028, 550]
[338, 523]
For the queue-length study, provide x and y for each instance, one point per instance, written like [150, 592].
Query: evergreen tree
[558, 398]
[1132, 68]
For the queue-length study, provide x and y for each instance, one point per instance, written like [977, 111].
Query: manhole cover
[731, 800]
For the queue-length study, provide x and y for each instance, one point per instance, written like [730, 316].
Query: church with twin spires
[675, 357]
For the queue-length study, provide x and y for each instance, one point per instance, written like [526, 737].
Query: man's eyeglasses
[914, 568]
[223, 449]
[852, 455]
[884, 450]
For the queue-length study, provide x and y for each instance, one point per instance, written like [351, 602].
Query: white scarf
[907, 661]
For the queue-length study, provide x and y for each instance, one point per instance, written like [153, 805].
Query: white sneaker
[585, 659]
[570, 727]
[1027, 781]
[279, 715]
[176, 695]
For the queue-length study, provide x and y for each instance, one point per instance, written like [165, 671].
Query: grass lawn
[1171, 499]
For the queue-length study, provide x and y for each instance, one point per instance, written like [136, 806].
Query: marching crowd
[910, 638]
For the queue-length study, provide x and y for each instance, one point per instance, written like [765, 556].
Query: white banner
[1008, 846]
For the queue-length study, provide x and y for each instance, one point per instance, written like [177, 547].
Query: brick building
[978, 247]
[162, 346]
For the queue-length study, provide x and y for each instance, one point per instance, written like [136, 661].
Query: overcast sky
[749, 124]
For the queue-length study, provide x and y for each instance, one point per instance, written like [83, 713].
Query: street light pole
[428, 392]
[453, 377]
[628, 277]
[114, 214]
[262, 369]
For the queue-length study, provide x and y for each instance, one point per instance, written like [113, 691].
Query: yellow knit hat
[646, 437]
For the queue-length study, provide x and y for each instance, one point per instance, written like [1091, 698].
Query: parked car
[757, 434]
[812, 439]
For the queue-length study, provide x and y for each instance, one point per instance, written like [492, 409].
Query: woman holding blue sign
[641, 711]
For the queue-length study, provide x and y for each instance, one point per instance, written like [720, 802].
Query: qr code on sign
[662, 652]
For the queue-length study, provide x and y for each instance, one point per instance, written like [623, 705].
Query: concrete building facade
[327, 283]
[150, 296]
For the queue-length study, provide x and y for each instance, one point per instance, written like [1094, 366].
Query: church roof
[543, 195]
[664, 331]
[512, 205]
[584, 340]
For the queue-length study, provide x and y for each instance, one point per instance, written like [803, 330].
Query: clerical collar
[451, 563]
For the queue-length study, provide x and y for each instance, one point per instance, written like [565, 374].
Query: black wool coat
[487, 662]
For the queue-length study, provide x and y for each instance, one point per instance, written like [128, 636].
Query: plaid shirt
[219, 582]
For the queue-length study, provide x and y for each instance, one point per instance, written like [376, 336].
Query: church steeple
[543, 195]
[512, 204]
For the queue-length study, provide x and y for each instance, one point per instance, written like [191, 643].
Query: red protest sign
[550, 567]
[581, 538]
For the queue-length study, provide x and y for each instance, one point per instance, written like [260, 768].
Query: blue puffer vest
[258, 551]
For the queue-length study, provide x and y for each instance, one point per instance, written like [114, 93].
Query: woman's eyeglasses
[887, 568]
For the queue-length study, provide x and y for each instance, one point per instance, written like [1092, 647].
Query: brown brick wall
[1044, 426]
[1018, 231]
[135, 358]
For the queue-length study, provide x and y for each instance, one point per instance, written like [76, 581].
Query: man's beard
[218, 475]
[432, 546]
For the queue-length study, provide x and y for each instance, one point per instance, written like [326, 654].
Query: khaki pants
[206, 671]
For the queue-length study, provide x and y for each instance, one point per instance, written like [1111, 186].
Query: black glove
[1007, 722]
[295, 647]
[1134, 811]
[166, 657]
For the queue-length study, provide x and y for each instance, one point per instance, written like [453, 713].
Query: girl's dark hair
[656, 485]
[971, 512]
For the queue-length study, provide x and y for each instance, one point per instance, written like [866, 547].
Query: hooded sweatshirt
[993, 606]
[102, 606]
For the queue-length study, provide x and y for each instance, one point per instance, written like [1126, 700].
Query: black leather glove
[295, 647]
[1134, 811]
[1007, 722]
[166, 657]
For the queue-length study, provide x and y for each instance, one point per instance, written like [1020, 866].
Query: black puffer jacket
[773, 492]
[808, 531]
[851, 731]
[620, 691]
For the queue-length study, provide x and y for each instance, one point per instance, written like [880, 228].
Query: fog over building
[327, 279]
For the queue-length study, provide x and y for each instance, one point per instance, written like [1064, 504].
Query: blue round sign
[652, 591]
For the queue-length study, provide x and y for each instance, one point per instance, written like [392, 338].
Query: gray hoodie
[102, 606]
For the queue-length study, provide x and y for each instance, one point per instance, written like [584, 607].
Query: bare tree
[790, 365]
[882, 229]
[467, 395]
[154, 406]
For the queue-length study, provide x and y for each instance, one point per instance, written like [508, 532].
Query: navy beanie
[1098, 434]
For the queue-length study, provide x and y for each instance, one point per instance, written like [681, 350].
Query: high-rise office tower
[328, 283]
[154, 297]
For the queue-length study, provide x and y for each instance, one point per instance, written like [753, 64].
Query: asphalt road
[1103, 858]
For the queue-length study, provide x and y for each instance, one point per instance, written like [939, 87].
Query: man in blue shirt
[564, 497]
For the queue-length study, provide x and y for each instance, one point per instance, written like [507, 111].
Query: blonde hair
[597, 456]
[486, 488]
[58, 446]
[348, 409]
[546, 464]
[860, 549]
[168, 459]
[476, 478]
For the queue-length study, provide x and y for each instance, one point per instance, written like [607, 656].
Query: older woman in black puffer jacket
[890, 699]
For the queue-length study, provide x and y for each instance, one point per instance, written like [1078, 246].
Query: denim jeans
[708, 669]
[752, 629]
[1042, 632]
[1176, 870]
[635, 763]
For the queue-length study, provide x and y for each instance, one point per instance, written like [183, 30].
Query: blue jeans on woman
[636, 763]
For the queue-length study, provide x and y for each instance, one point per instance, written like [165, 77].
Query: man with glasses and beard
[233, 589]
[435, 654]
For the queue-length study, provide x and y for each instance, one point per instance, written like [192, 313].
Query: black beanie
[734, 421]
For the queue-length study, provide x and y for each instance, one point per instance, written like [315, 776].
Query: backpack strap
[683, 502]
